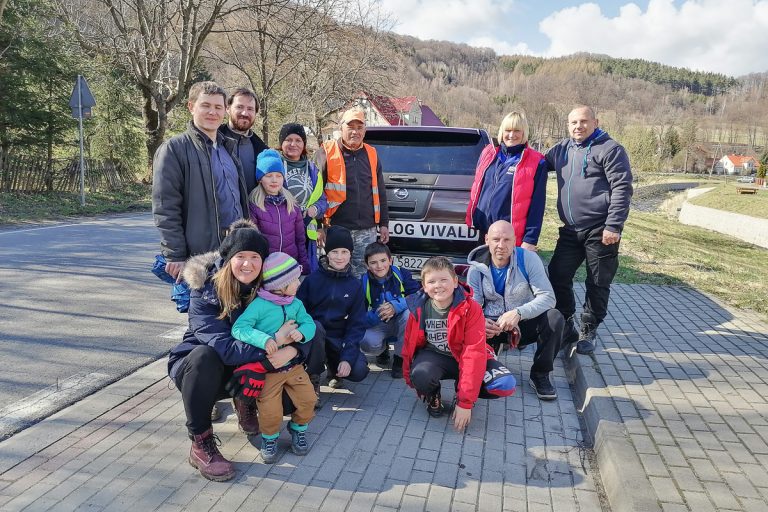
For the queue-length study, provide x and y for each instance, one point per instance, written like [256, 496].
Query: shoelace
[270, 444]
[301, 439]
[211, 445]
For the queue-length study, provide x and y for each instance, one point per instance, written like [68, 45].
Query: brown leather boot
[206, 457]
[247, 417]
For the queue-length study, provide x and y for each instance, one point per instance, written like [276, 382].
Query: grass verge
[725, 197]
[21, 207]
[658, 250]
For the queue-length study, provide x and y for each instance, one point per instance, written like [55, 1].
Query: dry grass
[658, 250]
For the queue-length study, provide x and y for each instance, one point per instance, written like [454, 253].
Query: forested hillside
[664, 114]
[303, 61]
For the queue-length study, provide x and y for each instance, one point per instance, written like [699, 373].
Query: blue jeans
[376, 339]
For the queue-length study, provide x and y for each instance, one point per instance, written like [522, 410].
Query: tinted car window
[429, 153]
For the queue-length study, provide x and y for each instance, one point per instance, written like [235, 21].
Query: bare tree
[307, 56]
[156, 43]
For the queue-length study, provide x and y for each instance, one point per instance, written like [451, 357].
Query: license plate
[433, 230]
[409, 262]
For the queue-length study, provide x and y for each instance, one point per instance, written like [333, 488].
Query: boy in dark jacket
[385, 287]
[334, 298]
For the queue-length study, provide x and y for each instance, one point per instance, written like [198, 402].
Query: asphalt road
[80, 309]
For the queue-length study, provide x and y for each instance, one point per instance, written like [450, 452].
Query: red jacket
[522, 192]
[466, 339]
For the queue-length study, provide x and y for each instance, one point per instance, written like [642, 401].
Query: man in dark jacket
[594, 185]
[242, 109]
[354, 186]
[198, 187]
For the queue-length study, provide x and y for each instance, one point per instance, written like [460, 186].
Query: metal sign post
[81, 102]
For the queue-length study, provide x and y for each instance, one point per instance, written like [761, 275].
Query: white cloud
[450, 20]
[711, 35]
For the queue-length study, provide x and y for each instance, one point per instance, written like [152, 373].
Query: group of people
[291, 277]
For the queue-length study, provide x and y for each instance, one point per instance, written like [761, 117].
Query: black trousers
[429, 367]
[573, 247]
[546, 330]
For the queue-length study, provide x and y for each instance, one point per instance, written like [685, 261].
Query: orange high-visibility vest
[336, 184]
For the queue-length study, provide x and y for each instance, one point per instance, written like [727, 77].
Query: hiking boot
[542, 386]
[268, 450]
[586, 343]
[397, 367]
[436, 407]
[315, 380]
[383, 358]
[215, 412]
[247, 417]
[206, 457]
[570, 332]
[299, 444]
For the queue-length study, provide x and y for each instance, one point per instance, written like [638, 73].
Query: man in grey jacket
[594, 188]
[198, 187]
[512, 287]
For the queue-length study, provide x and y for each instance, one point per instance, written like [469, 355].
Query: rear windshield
[419, 152]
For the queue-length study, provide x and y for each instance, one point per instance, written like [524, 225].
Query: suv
[428, 173]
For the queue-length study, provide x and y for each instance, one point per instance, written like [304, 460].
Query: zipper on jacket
[568, 193]
[279, 226]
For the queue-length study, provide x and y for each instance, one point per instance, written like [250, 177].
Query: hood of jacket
[198, 268]
[418, 299]
[480, 258]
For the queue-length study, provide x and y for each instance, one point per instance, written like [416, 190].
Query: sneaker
[436, 407]
[335, 382]
[299, 444]
[543, 388]
[383, 358]
[586, 343]
[570, 332]
[247, 416]
[206, 457]
[397, 367]
[268, 450]
[215, 412]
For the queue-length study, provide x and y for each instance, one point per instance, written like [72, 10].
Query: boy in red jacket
[445, 339]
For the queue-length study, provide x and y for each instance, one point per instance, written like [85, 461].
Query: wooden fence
[30, 174]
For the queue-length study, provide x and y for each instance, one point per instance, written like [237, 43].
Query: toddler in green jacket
[273, 319]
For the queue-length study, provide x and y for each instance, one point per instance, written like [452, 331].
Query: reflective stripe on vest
[367, 284]
[336, 186]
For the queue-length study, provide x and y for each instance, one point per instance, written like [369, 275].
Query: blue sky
[728, 37]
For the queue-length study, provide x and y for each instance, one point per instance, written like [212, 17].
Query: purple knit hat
[279, 269]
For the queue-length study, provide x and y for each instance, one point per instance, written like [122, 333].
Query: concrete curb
[624, 478]
[32, 440]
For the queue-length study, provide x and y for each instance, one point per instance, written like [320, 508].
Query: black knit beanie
[243, 236]
[338, 237]
[292, 128]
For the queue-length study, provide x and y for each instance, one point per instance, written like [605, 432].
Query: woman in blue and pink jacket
[510, 184]
[275, 211]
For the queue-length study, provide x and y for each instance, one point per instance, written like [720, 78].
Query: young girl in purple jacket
[274, 209]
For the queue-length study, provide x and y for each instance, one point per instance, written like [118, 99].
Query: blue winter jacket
[204, 326]
[393, 288]
[335, 299]
[594, 182]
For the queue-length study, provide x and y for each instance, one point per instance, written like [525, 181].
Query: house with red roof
[736, 165]
[388, 111]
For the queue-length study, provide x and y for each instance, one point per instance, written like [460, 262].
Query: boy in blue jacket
[334, 298]
[385, 287]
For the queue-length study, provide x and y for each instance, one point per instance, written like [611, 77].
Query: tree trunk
[155, 125]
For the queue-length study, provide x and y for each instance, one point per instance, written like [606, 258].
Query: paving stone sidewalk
[689, 379]
[373, 447]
